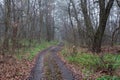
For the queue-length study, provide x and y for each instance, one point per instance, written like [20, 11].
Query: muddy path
[50, 67]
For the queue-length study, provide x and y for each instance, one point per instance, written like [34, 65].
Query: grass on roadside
[108, 78]
[29, 53]
[90, 63]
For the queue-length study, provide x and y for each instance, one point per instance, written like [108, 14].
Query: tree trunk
[113, 34]
[7, 24]
[104, 14]
[88, 23]
[71, 22]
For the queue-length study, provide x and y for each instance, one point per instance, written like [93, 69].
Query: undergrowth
[90, 63]
[30, 52]
[107, 77]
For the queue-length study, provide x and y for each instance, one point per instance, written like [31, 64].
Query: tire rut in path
[37, 71]
[66, 73]
[55, 66]
[52, 71]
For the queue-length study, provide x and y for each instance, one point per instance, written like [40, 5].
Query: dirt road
[50, 67]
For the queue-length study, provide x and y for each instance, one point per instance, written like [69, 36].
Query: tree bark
[104, 14]
[7, 24]
[118, 2]
[88, 23]
[71, 22]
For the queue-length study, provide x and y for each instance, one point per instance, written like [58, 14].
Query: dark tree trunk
[118, 2]
[14, 37]
[104, 14]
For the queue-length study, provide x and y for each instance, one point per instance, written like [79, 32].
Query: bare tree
[104, 14]
[7, 22]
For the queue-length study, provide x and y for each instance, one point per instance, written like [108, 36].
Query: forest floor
[13, 69]
[49, 64]
[18, 66]
[90, 66]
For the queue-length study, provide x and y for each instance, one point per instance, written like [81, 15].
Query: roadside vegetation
[90, 30]
[18, 66]
[30, 52]
[105, 66]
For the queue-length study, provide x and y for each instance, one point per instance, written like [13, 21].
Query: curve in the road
[37, 73]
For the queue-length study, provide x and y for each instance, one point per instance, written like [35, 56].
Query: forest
[59, 39]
